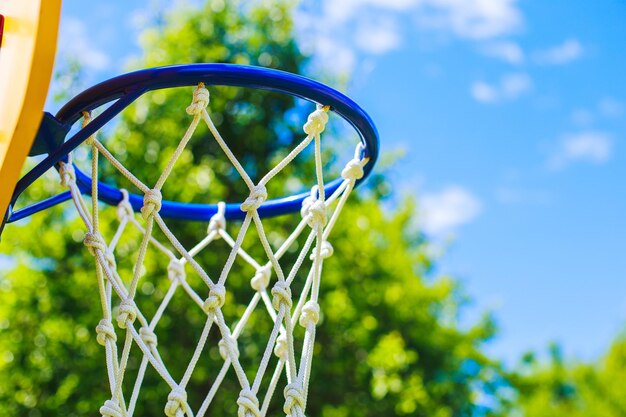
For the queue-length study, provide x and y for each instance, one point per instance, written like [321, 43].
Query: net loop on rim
[353, 170]
[200, 100]
[316, 122]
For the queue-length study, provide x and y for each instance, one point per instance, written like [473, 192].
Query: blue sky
[512, 117]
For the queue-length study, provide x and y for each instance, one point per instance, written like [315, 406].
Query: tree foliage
[389, 342]
[559, 389]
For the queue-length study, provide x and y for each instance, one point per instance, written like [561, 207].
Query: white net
[271, 284]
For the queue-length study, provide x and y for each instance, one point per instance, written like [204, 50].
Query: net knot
[215, 300]
[176, 270]
[148, 336]
[151, 203]
[105, 331]
[326, 251]
[353, 170]
[124, 209]
[111, 409]
[218, 221]
[127, 312]
[314, 211]
[248, 404]
[226, 345]
[316, 122]
[310, 314]
[280, 349]
[258, 195]
[200, 100]
[94, 242]
[294, 400]
[261, 278]
[176, 403]
[68, 174]
[281, 295]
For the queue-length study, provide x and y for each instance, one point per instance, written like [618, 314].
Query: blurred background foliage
[390, 341]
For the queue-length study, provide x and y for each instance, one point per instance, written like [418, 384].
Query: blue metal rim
[128, 87]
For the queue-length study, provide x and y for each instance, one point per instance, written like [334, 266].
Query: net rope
[274, 294]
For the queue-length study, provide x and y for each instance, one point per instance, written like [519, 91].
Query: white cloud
[335, 55]
[483, 92]
[568, 51]
[346, 10]
[399, 5]
[444, 211]
[504, 50]
[588, 146]
[473, 19]
[607, 107]
[75, 41]
[377, 37]
[356, 27]
[509, 87]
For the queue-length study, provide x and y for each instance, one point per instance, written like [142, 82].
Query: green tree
[389, 343]
[559, 388]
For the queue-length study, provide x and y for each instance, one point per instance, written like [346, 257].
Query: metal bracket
[50, 136]
[5, 219]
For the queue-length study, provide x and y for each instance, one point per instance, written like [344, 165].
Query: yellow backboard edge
[42, 17]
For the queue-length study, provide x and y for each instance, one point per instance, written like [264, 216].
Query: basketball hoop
[145, 211]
